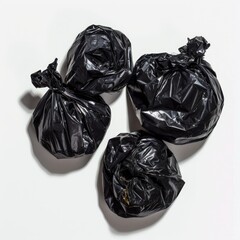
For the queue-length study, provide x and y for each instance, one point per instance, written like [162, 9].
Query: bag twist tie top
[196, 47]
[48, 78]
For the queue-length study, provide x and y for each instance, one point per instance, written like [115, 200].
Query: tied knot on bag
[48, 78]
[195, 48]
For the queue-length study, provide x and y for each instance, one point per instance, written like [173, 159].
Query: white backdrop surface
[45, 198]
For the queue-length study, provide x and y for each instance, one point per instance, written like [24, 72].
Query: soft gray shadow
[184, 152]
[111, 97]
[133, 122]
[29, 101]
[51, 164]
[119, 225]
[63, 67]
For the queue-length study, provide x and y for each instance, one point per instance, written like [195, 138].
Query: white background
[45, 198]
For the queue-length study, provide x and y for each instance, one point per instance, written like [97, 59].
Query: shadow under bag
[177, 97]
[68, 123]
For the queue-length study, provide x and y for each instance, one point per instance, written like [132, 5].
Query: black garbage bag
[177, 97]
[141, 175]
[68, 123]
[100, 60]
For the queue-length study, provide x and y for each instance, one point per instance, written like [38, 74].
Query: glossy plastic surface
[99, 60]
[141, 175]
[177, 97]
[68, 123]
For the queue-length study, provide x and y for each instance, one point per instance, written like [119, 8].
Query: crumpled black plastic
[68, 123]
[177, 97]
[141, 175]
[100, 60]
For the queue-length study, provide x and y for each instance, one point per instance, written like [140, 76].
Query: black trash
[177, 97]
[68, 123]
[141, 175]
[100, 60]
